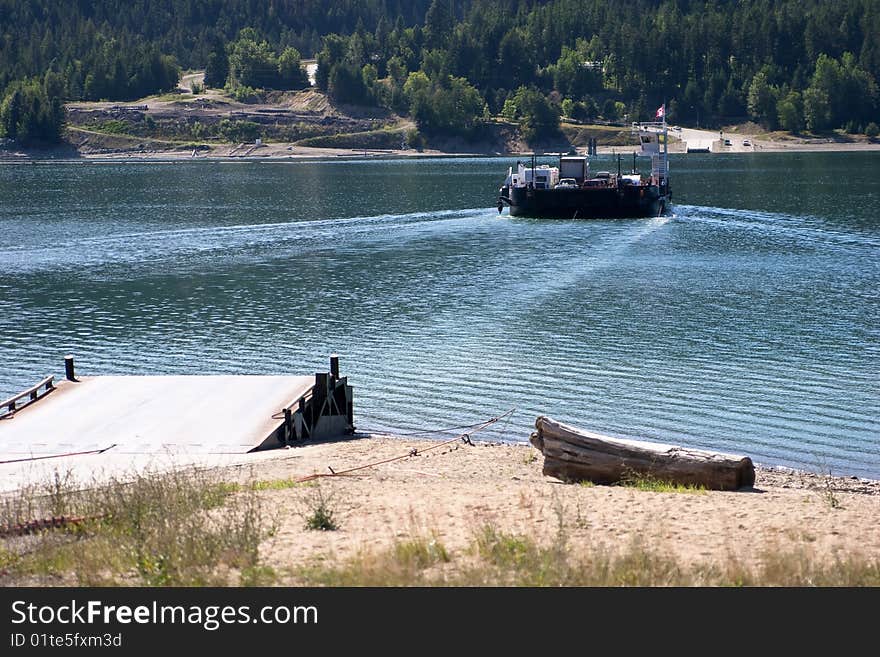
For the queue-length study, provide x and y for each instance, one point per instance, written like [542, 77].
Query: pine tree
[217, 68]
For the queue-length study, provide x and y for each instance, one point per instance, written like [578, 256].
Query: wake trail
[156, 244]
[804, 227]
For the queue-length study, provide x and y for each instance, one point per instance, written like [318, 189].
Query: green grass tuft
[318, 514]
[281, 484]
[646, 482]
[420, 552]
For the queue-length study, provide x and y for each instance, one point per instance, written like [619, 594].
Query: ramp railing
[32, 394]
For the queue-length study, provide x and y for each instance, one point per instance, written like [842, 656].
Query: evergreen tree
[712, 60]
[30, 116]
[346, 84]
[439, 23]
[217, 67]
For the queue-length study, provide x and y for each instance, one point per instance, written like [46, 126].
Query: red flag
[661, 111]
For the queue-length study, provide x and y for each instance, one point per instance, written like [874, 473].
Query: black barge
[573, 191]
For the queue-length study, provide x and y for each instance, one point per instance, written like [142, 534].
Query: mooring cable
[464, 437]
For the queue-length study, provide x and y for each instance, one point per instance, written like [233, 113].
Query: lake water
[748, 320]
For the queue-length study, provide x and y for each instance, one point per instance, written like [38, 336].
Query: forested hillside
[790, 64]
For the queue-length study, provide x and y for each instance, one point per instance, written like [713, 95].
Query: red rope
[34, 526]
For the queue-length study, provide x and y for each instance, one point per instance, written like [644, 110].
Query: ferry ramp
[699, 145]
[105, 426]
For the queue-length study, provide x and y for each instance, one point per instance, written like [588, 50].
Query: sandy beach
[113, 148]
[394, 511]
[455, 492]
[286, 151]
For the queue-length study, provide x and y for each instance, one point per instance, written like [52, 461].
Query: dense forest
[787, 64]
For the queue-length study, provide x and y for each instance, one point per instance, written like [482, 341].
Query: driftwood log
[572, 454]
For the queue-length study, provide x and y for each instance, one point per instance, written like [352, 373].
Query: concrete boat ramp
[93, 428]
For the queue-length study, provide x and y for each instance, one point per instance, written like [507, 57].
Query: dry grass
[184, 528]
[496, 558]
[419, 560]
[190, 528]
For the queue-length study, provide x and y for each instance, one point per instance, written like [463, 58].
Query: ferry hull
[586, 203]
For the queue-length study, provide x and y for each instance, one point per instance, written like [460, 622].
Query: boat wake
[221, 241]
[804, 228]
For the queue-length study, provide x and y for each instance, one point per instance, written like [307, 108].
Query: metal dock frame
[325, 411]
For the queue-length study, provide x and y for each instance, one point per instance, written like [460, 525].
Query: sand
[454, 491]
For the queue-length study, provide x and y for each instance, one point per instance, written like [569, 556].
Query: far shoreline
[280, 152]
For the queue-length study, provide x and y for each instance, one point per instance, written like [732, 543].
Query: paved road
[736, 140]
[186, 81]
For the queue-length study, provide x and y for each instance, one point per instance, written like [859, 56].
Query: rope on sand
[464, 437]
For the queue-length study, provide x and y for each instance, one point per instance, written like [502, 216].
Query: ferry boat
[573, 191]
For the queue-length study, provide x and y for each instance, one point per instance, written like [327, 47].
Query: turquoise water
[747, 320]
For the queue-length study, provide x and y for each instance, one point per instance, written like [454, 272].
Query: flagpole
[665, 148]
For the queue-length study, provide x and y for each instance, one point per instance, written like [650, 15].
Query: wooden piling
[288, 426]
[68, 368]
[319, 394]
